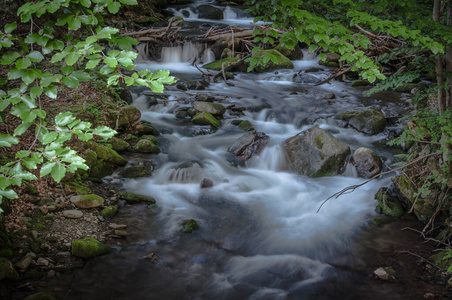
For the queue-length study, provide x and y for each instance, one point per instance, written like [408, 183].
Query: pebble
[118, 226]
[42, 262]
[51, 208]
[382, 274]
[72, 214]
[44, 210]
[46, 247]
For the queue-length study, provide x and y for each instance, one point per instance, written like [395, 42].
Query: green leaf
[92, 63]
[9, 58]
[49, 137]
[113, 7]
[74, 23]
[129, 2]
[10, 27]
[22, 128]
[58, 172]
[111, 62]
[7, 140]
[71, 81]
[35, 56]
[22, 153]
[156, 86]
[62, 119]
[14, 73]
[23, 63]
[8, 193]
[85, 3]
[81, 76]
[72, 58]
[46, 168]
[51, 92]
[25, 175]
[36, 91]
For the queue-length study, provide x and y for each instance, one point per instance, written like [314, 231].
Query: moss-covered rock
[408, 87]
[205, 118]
[212, 108]
[109, 211]
[43, 296]
[295, 54]
[76, 187]
[31, 189]
[128, 116]
[346, 116]
[135, 172]
[358, 83]
[190, 225]
[329, 64]
[106, 154]
[217, 65]
[87, 201]
[6, 253]
[133, 198]
[7, 270]
[89, 248]
[118, 144]
[149, 138]
[146, 146]
[387, 204]
[245, 125]
[281, 63]
[369, 121]
[145, 129]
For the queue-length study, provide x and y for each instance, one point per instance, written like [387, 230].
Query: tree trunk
[439, 64]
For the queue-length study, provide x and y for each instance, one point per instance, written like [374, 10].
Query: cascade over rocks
[213, 108]
[210, 12]
[316, 152]
[367, 162]
[305, 79]
[248, 145]
[367, 121]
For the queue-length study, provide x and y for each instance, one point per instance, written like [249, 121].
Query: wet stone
[206, 183]
[72, 214]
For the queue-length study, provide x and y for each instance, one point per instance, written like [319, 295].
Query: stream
[260, 235]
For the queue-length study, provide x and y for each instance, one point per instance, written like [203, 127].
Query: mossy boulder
[133, 198]
[89, 248]
[109, 212]
[146, 146]
[43, 296]
[206, 118]
[358, 83]
[387, 204]
[189, 226]
[368, 121]
[212, 108]
[106, 154]
[408, 87]
[248, 145]
[7, 270]
[118, 144]
[329, 64]
[295, 54]
[316, 153]
[87, 201]
[135, 172]
[128, 116]
[367, 162]
[245, 125]
[346, 116]
[149, 138]
[76, 187]
[145, 129]
[279, 62]
[217, 65]
[210, 12]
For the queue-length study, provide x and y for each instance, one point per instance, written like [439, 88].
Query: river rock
[249, 144]
[245, 126]
[135, 172]
[89, 248]
[206, 118]
[329, 96]
[7, 270]
[210, 12]
[217, 65]
[316, 152]
[146, 146]
[206, 183]
[295, 54]
[127, 116]
[87, 201]
[204, 97]
[72, 214]
[213, 108]
[106, 154]
[26, 261]
[109, 211]
[281, 63]
[367, 162]
[368, 121]
[388, 204]
[189, 226]
[145, 129]
[385, 274]
[136, 198]
[118, 144]
[42, 262]
[305, 79]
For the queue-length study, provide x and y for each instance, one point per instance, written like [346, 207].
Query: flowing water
[260, 235]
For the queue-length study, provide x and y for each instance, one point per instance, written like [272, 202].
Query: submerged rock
[210, 12]
[206, 183]
[367, 162]
[368, 121]
[316, 152]
[387, 204]
[248, 145]
[190, 225]
[305, 79]
[89, 248]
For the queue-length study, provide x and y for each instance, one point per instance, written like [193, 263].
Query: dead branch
[354, 187]
[438, 209]
[335, 75]
[232, 66]
[203, 73]
[426, 238]
[368, 33]
[418, 256]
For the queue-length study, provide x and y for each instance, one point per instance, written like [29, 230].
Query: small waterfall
[350, 171]
[272, 158]
[143, 50]
[187, 53]
[229, 14]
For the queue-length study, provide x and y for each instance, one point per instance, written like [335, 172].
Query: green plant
[40, 63]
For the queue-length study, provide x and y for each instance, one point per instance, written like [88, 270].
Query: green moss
[135, 172]
[118, 144]
[190, 225]
[329, 168]
[88, 248]
[282, 61]
[358, 83]
[31, 189]
[136, 198]
[149, 138]
[377, 221]
[109, 212]
[330, 64]
[40, 227]
[205, 118]
[246, 126]
[107, 154]
[388, 205]
[346, 116]
[217, 65]
[78, 188]
[318, 139]
[146, 146]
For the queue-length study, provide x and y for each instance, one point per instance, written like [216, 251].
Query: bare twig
[335, 75]
[418, 256]
[438, 209]
[203, 73]
[426, 238]
[354, 187]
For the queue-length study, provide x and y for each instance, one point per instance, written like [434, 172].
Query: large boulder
[366, 162]
[89, 248]
[295, 54]
[146, 146]
[210, 12]
[213, 108]
[368, 121]
[249, 144]
[387, 204]
[7, 270]
[127, 116]
[282, 62]
[316, 152]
